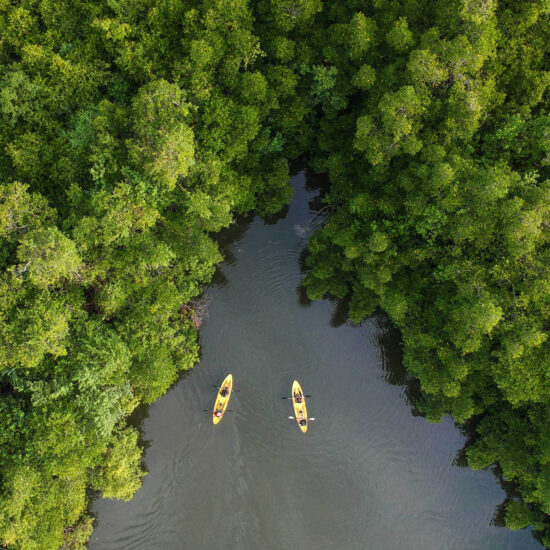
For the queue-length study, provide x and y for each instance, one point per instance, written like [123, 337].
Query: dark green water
[367, 476]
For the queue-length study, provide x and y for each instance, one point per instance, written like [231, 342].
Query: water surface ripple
[367, 476]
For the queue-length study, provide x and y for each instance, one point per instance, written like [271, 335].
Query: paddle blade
[291, 418]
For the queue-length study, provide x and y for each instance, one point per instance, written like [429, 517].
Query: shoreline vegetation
[132, 131]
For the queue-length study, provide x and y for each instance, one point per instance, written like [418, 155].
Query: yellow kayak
[222, 399]
[299, 403]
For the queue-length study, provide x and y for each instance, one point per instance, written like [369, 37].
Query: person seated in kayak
[301, 418]
[218, 412]
[224, 392]
[298, 397]
[303, 422]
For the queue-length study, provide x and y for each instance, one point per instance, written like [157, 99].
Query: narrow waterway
[368, 475]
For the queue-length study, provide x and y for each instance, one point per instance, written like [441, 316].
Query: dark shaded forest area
[133, 131]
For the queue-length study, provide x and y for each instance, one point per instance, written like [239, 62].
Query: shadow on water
[319, 211]
[141, 413]
[316, 182]
[510, 488]
[313, 182]
[225, 239]
[340, 312]
[303, 298]
[137, 420]
[272, 219]
[395, 373]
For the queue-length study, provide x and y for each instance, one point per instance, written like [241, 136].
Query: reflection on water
[392, 363]
[368, 474]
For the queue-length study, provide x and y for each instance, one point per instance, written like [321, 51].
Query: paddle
[291, 397]
[210, 410]
[219, 388]
[294, 418]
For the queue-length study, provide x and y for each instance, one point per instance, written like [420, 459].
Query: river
[368, 475]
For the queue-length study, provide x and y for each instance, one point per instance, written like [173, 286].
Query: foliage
[130, 132]
[440, 192]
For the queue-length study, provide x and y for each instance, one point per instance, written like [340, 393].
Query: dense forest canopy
[132, 131]
[436, 138]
